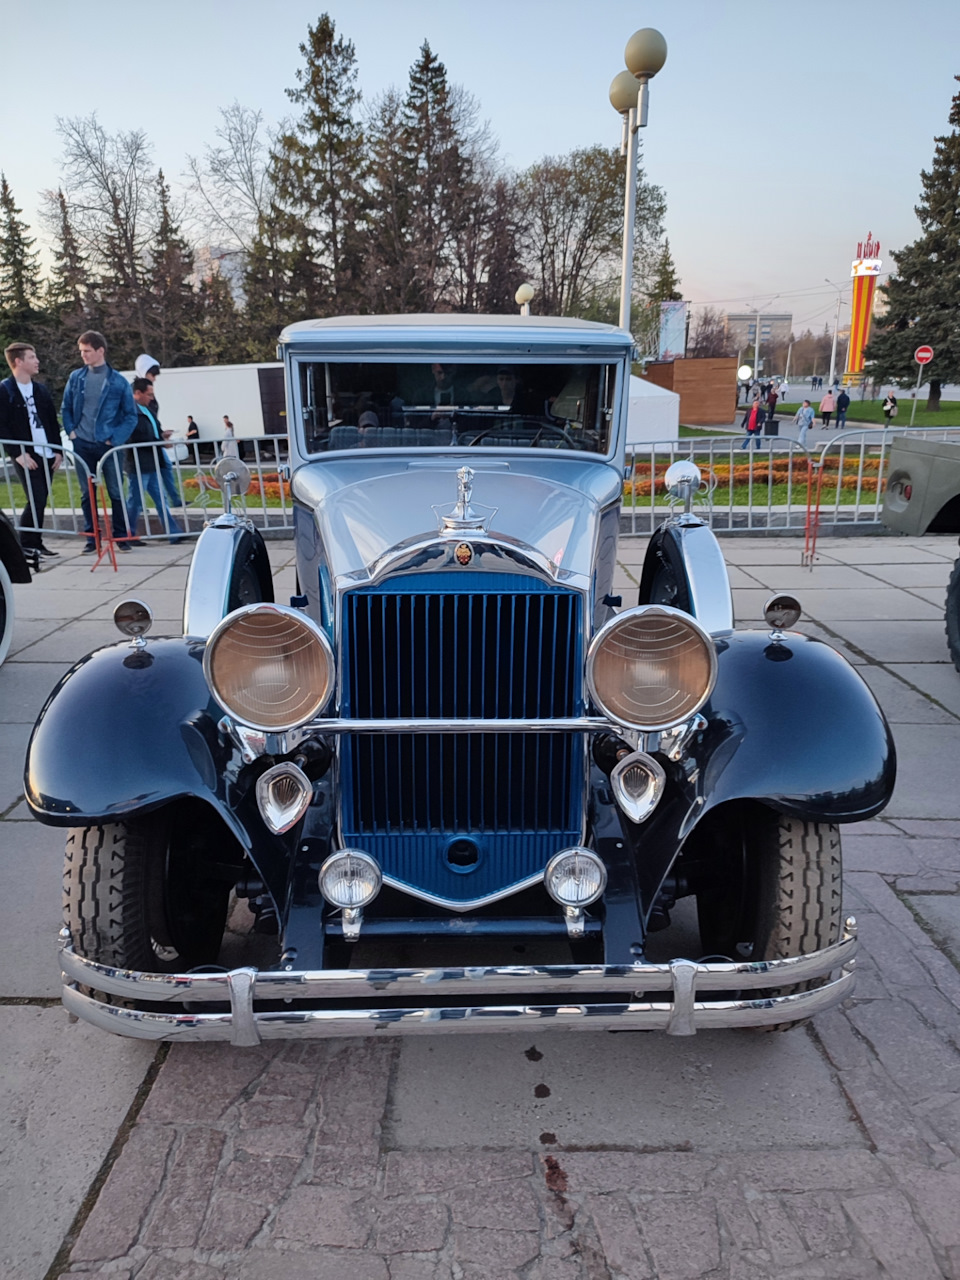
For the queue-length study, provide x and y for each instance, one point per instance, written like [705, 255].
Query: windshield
[438, 404]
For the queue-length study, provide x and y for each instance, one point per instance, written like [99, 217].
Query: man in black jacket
[31, 436]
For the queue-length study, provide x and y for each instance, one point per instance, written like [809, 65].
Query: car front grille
[466, 645]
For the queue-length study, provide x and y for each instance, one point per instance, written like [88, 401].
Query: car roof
[436, 333]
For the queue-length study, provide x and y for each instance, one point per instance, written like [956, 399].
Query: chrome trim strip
[473, 904]
[680, 1014]
[707, 574]
[326, 1024]
[208, 580]
[565, 724]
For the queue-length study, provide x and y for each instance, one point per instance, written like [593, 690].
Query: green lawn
[948, 415]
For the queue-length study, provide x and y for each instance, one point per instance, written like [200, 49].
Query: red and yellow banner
[862, 314]
[864, 269]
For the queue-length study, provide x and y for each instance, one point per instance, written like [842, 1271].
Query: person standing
[142, 464]
[29, 418]
[813, 383]
[804, 420]
[784, 391]
[827, 406]
[99, 413]
[843, 404]
[889, 408]
[772, 398]
[193, 431]
[146, 367]
[753, 423]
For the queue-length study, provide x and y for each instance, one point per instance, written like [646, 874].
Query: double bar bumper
[639, 997]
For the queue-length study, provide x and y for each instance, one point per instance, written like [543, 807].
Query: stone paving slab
[88, 1081]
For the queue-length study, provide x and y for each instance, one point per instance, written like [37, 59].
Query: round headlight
[575, 877]
[651, 668]
[269, 666]
[350, 879]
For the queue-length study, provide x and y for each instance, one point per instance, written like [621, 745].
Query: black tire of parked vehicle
[6, 611]
[132, 900]
[778, 894]
[664, 577]
[952, 615]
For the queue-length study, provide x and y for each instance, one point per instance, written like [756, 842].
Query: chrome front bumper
[629, 1001]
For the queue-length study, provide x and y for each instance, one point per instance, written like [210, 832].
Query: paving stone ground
[832, 1151]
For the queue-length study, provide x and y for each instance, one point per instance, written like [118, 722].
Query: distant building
[741, 329]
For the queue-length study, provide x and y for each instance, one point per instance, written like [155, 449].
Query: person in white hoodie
[146, 367]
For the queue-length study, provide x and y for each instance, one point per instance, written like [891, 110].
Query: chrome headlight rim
[316, 633]
[647, 610]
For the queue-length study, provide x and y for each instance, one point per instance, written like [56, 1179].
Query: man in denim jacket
[98, 413]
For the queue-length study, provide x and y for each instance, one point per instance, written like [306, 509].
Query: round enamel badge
[463, 553]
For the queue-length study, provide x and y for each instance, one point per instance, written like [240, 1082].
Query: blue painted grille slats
[461, 646]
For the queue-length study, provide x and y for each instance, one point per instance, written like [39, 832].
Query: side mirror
[233, 478]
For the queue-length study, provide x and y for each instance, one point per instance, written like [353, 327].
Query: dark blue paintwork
[124, 731]
[793, 724]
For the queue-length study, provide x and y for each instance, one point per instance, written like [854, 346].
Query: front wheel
[774, 889]
[136, 895]
[952, 615]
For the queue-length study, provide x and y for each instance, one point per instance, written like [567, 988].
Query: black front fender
[124, 731]
[793, 724]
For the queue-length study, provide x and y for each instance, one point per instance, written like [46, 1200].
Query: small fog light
[283, 794]
[781, 611]
[575, 877]
[350, 879]
[638, 782]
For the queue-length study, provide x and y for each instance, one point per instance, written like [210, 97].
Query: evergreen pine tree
[19, 273]
[923, 296]
[664, 284]
[214, 330]
[172, 300]
[318, 169]
[69, 301]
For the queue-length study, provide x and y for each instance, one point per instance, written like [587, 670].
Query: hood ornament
[462, 515]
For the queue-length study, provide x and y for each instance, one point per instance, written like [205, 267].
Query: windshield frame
[610, 392]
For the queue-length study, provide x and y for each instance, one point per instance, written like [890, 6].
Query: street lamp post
[645, 54]
[836, 326]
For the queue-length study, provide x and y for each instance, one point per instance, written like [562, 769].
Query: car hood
[366, 508]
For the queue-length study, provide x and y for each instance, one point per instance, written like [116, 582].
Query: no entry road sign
[923, 355]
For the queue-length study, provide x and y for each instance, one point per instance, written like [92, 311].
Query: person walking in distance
[804, 420]
[827, 406]
[843, 404]
[98, 413]
[889, 408]
[29, 427]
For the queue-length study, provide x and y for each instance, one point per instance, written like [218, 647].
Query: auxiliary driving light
[638, 782]
[575, 877]
[350, 879]
[283, 794]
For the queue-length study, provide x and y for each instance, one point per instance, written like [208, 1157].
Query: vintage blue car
[458, 782]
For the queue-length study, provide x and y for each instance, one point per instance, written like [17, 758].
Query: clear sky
[782, 133]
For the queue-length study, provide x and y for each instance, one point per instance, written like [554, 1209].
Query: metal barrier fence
[766, 483]
[770, 482]
[167, 490]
